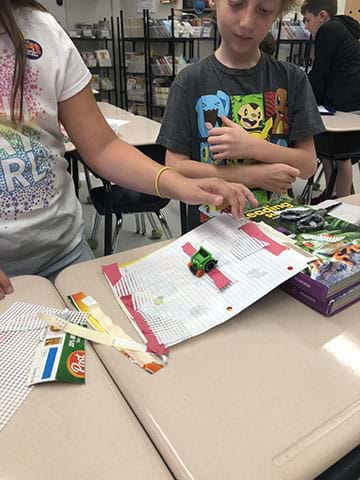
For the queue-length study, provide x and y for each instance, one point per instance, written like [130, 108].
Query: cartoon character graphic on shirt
[281, 110]
[248, 112]
[209, 109]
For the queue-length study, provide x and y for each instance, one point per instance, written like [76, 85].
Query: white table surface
[76, 432]
[341, 122]
[272, 394]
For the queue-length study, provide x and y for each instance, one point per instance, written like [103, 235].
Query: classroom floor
[128, 237]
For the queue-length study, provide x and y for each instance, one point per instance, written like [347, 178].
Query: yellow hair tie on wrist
[157, 179]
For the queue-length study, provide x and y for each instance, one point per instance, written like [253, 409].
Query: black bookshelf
[111, 72]
[147, 41]
[300, 49]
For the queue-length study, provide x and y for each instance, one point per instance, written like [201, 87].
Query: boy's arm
[231, 141]
[275, 177]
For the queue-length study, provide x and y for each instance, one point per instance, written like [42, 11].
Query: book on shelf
[106, 83]
[336, 247]
[95, 83]
[103, 58]
[89, 58]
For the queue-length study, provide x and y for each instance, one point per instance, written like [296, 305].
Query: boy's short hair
[315, 7]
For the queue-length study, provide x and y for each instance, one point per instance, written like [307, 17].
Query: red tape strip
[220, 280]
[188, 249]
[112, 272]
[255, 232]
[153, 344]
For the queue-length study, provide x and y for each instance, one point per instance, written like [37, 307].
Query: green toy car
[201, 262]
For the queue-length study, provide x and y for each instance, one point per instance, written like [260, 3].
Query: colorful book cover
[336, 246]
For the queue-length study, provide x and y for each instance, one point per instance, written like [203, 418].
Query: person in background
[44, 81]
[335, 74]
[236, 113]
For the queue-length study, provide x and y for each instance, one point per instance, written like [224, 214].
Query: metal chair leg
[150, 217]
[115, 240]
[164, 224]
[137, 223]
[143, 225]
[95, 226]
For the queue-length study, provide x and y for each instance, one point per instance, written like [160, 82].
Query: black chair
[336, 147]
[110, 200]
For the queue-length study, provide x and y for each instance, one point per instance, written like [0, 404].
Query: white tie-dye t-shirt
[40, 216]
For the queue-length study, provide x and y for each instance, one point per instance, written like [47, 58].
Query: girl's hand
[5, 285]
[229, 141]
[211, 191]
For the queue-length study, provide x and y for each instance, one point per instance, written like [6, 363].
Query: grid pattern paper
[20, 330]
[177, 305]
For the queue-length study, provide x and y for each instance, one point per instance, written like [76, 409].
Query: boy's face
[313, 22]
[244, 23]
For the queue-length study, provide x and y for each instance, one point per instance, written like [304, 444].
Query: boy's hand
[5, 285]
[229, 141]
[274, 177]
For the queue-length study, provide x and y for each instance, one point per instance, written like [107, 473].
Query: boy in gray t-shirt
[235, 114]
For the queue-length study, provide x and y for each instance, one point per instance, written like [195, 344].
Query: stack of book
[332, 281]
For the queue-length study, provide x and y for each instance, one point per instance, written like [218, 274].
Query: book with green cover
[336, 246]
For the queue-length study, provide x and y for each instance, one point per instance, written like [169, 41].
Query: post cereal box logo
[76, 363]
[33, 49]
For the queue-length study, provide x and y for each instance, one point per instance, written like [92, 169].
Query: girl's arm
[5, 285]
[123, 164]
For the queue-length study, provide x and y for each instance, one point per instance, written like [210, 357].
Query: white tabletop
[138, 131]
[272, 394]
[341, 122]
[77, 432]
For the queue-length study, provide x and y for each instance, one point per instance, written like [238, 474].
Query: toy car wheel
[210, 265]
[199, 273]
[193, 269]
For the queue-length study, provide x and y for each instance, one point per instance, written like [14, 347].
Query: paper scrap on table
[102, 323]
[20, 330]
[164, 299]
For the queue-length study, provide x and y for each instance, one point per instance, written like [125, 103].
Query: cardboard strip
[220, 280]
[112, 272]
[92, 335]
[152, 342]
[254, 231]
[103, 323]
